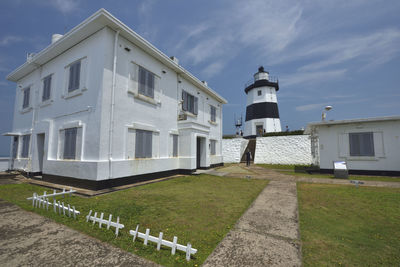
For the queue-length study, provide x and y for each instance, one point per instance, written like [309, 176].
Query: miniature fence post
[117, 227]
[174, 245]
[54, 192]
[95, 216]
[101, 219]
[109, 221]
[48, 203]
[33, 199]
[136, 233]
[63, 192]
[59, 207]
[73, 209]
[69, 211]
[159, 241]
[54, 205]
[188, 248]
[88, 217]
[63, 208]
[146, 237]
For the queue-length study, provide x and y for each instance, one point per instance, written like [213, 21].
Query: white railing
[173, 245]
[108, 222]
[63, 193]
[41, 202]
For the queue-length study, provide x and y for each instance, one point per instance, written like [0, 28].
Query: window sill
[74, 93]
[25, 110]
[212, 122]
[145, 98]
[46, 103]
[190, 114]
[360, 158]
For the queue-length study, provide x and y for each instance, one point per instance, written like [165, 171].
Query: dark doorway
[14, 151]
[259, 130]
[40, 150]
[198, 153]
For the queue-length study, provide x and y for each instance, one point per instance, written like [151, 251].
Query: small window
[143, 145]
[259, 92]
[174, 145]
[25, 146]
[74, 76]
[70, 143]
[213, 112]
[146, 82]
[27, 92]
[190, 103]
[213, 147]
[362, 144]
[46, 88]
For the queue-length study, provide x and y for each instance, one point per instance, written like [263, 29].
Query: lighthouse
[262, 115]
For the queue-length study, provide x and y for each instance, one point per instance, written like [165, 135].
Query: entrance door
[40, 149]
[259, 130]
[198, 153]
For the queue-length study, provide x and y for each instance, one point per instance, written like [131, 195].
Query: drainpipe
[110, 141]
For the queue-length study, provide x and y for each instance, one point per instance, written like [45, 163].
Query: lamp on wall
[327, 108]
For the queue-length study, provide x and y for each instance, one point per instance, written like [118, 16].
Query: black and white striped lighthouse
[262, 115]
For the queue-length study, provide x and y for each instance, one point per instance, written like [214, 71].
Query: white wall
[4, 164]
[334, 145]
[291, 149]
[233, 149]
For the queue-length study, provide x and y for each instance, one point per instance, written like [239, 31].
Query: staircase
[251, 145]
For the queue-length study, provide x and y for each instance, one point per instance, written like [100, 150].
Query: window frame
[27, 98]
[25, 146]
[213, 113]
[74, 85]
[259, 93]
[141, 150]
[72, 155]
[50, 79]
[175, 145]
[213, 147]
[143, 86]
[356, 146]
[189, 102]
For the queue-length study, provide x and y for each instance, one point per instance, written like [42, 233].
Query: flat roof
[100, 19]
[327, 123]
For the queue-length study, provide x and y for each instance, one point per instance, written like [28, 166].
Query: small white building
[262, 114]
[369, 146]
[101, 106]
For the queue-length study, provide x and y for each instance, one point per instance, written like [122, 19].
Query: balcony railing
[272, 79]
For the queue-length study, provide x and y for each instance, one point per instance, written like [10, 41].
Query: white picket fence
[41, 202]
[63, 193]
[173, 245]
[108, 222]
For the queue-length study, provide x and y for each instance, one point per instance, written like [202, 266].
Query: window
[174, 145]
[25, 103]
[213, 112]
[46, 88]
[144, 144]
[213, 147]
[74, 76]
[361, 144]
[146, 82]
[259, 92]
[70, 143]
[190, 102]
[25, 146]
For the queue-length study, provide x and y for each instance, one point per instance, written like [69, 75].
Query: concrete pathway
[28, 239]
[267, 234]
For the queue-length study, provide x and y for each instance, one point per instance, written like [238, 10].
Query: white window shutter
[133, 78]
[343, 145]
[378, 145]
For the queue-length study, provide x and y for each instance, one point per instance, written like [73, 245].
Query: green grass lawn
[197, 209]
[344, 225]
[290, 170]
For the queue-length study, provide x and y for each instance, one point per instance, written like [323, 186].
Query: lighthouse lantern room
[262, 115]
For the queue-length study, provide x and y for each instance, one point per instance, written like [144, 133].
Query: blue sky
[340, 53]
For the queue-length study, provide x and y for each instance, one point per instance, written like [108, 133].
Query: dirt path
[28, 239]
[267, 234]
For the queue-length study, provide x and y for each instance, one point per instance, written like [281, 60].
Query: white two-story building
[101, 106]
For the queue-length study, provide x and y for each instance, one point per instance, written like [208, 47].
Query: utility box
[340, 169]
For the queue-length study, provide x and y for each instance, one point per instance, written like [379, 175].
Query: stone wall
[291, 149]
[232, 149]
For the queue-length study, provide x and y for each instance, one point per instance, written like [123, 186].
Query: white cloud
[213, 68]
[10, 39]
[311, 107]
[310, 77]
[65, 6]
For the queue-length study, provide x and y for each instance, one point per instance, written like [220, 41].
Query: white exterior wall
[63, 109]
[90, 111]
[334, 145]
[233, 149]
[291, 149]
[269, 124]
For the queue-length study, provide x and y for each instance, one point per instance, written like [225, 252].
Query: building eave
[100, 19]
